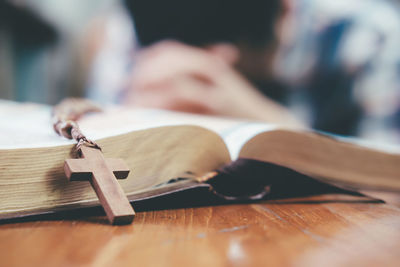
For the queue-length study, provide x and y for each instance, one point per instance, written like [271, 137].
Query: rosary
[91, 165]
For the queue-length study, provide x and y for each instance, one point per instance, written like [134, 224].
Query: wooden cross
[101, 173]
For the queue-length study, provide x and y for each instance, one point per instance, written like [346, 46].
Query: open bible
[171, 152]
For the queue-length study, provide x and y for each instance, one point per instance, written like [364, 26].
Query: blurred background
[333, 65]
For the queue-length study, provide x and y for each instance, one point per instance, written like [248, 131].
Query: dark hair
[201, 22]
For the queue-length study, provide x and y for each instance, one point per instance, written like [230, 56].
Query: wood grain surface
[291, 233]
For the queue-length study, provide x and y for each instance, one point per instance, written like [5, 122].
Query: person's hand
[170, 75]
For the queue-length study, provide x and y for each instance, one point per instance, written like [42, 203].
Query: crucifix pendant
[102, 174]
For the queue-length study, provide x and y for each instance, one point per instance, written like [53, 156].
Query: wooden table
[291, 233]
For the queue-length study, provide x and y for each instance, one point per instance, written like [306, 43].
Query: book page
[234, 132]
[28, 125]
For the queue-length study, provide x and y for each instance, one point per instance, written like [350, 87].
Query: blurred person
[217, 47]
[332, 66]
